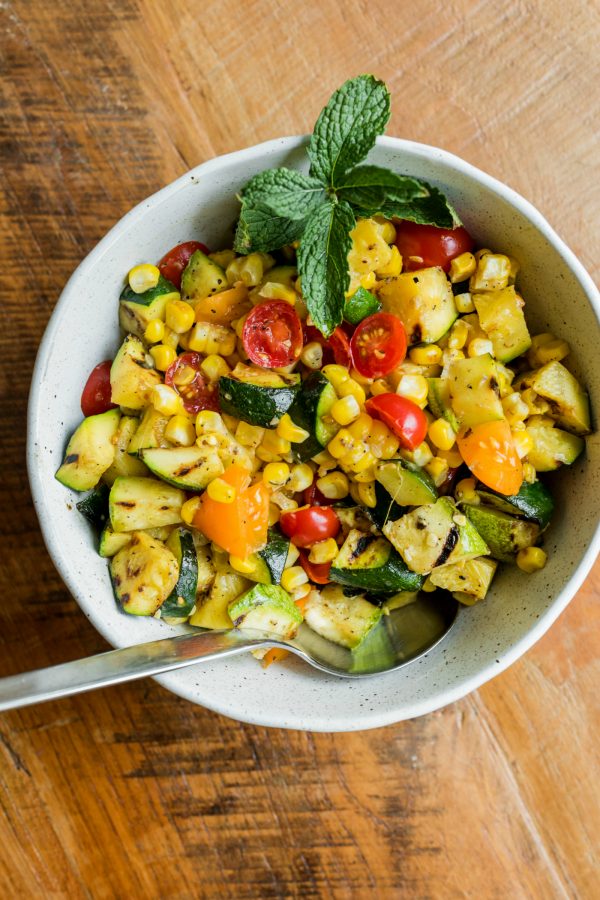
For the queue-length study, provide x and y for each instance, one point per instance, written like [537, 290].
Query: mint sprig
[281, 206]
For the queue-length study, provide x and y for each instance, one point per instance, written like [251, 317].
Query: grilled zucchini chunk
[137, 310]
[469, 580]
[406, 483]
[201, 278]
[227, 585]
[143, 575]
[371, 563]
[533, 502]
[474, 390]
[311, 410]
[552, 447]
[192, 468]
[112, 541]
[150, 432]
[569, 403]
[90, 451]
[424, 302]
[345, 620]
[180, 602]
[131, 381]
[123, 463]
[95, 506]
[504, 534]
[138, 503]
[257, 396]
[501, 317]
[266, 607]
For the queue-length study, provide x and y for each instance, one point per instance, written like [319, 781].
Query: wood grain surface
[132, 792]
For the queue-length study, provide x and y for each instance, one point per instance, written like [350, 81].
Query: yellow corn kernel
[210, 422]
[437, 468]
[464, 303]
[222, 257]
[312, 355]
[515, 409]
[341, 444]
[383, 443]
[354, 492]
[453, 457]
[368, 280]
[214, 367]
[155, 331]
[458, 335]
[394, 266]
[351, 388]
[289, 431]
[535, 404]
[493, 270]
[324, 459]
[301, 478]
[523, 443]
[462, 267]
[249, 435]
[163, 356]
[180, 431]
[415, 388]
[276, 474]
[531, 559]
[387, 230]
[352, 460]
[465, 490]
[552, 351]
[479, 347]
[346, 410]
[293, 555]
[366, 475]
[274, 514]
[274, 443]
[379, 387]
[273, 291]
[243, 566]
[421, 455]
[171, 338]
[365, 464]
[143, 278]
[249, 269]
[293, 577]
[362, 427]
[429, 355]
[221, 491]
[238, 325]
[529, 473]
[209, 338]
[184, 375]
[282, 500]
[189, 510]
[165, 400]
[441, 434]
[179, 316]
[366, 493]
[323, 551]
[336, 375]
[267, 456]
[334, 486]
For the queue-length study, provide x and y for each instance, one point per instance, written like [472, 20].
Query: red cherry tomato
[404, 417]
[317, 572]
[336, 349]
[96, 395]
[272, 334]
[174, 262]
[421, 246]
[314, 497]
[309, 524]
[196, 393]
[378, 345]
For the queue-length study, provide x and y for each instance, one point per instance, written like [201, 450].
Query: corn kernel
[274, 443]
[336, 375]
[531, 559]
[453, 457]
[341, 444]
[465, 490]
[346, 410]
[221, 491]
[394, 266]
[442, 434]
[249, 269]
[209, 338]
[366, 493]
[529, 473]
[415, 388]
[293, 555]
[143, 278]
[179, 316]
[351, 388]
[171, 338]
[334, 486]
[155, 331]
[293, 577]
[163, 356]
[274, 514]
[354, 492]
[464, 303]
[366, 464]
[179, 430]
[276, 474]
[189, 510]
[552, 351]
[214, 367]
[379, 387]
[364, 476]
[479, 347]
[165, 400]
[245, 566]
[249, 435]
[301, 478]
[361, 428]
[273, 291]
[429, 355]
[515, 409]
[462, 267]
[282, 500]
[323, 551]
[267, 456]
[368, 280]
[222, 257]
[437, 468]
[458, 335]
[535, 404]
[289, 431]
[312, 355]
[523, 443]
[387, 230]
[210, 422]
[493, 270]
[421, 455]
[354, 459]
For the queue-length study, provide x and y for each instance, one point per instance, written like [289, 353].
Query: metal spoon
[401, 637]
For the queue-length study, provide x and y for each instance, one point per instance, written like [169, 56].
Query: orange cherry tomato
[240, 527]
[490, 453]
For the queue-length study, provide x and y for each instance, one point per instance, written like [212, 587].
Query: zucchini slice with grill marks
[424, 302]
[201, 278]
[112, 541]
[311, 410]
[143, 575]
[345, 620]
[259, 397]
[137, 310]
[90, 451]
[192, 468]
[95, 506]
[385, 508]
[501, 317]
[569, 403]
[533, 502]
[266, 607]
[406, 483]
[227, 585]
[131, 380]
[471, 577]
[124, 463]
[138, 503]
[504, 534]
[150, 432]
[371, 563]
[552, 447]
[180, 602]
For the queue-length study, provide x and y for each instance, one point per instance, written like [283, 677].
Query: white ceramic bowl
[83, 330]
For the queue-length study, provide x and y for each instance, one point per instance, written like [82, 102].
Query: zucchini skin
[181, 543]
[533, 502]
[253, 403]
[393, 576]
[95, 506]
[385, 508]
[305, 413]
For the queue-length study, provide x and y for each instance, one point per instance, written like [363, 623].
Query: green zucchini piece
[180, 602]
[227, 585]
[191, 468]
[90, 451]
[361, 304]
[423, 301]
[385, 508]
[569, 403]
[266, 607]
[112, 541]
[434, 535]
[137, 310]
[274, 555]
[124, 463]
[406, 483]
[397, 601]
[533, 502]
[354, 517]
[473, 390]
[553, 447]
[369, 562]
[95, 506]
[438, 400]
[150, 432]
[201, 278]
[131, 381]
[143, 574]
[338, 618]
[311, 410]
[505, 535]
[241, 394]
[138, 503]
[501, 317]
[471, 577]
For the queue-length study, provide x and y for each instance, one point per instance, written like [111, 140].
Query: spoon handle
[117, 666]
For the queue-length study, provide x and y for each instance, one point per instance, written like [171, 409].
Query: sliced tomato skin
[378, 345]
[336, 349]
[422, 246]
[317, 572]
[272, 334]
[174, 262]
[96, 395]
[198, 394]
[309, 524]
[314, 497]
[402, 416]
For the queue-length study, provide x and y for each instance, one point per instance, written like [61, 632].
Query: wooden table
[132, 792]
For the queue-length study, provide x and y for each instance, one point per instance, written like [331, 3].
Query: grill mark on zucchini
[449, 545]
[361, 545]
[128, 504]
[72, 458]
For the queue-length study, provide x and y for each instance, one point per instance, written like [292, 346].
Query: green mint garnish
[281, 206]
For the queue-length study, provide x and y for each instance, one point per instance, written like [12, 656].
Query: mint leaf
[369, 187]
[347, 128]
[286, 192]
[434, 209]
[259, 228]
[323, 263]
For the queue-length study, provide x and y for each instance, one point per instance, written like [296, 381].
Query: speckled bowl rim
[369, 719]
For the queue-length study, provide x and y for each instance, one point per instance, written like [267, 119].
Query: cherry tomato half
[489, 451]
[96, 395]
[336, 349]
[421, 246]
[309, 524]
[174, 262]
[405, 418]
[272, 334]
[378, 345]
[317, 572]
[185, 377]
